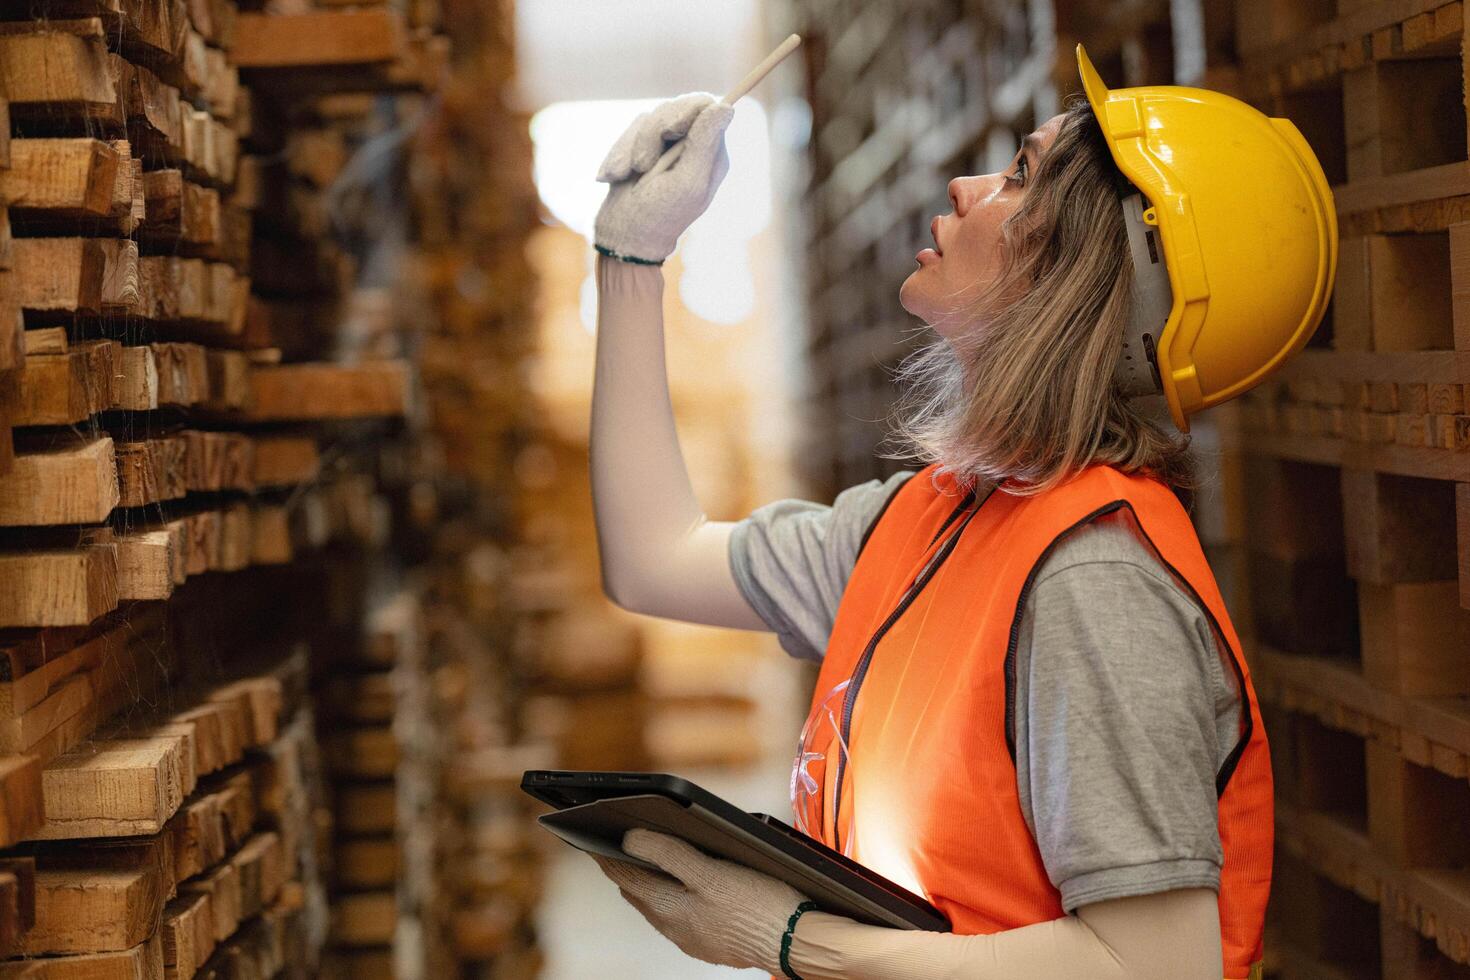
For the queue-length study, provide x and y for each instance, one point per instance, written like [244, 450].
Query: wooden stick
[747, 83]
[763, 69]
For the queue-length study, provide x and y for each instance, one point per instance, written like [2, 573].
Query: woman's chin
[908, 296]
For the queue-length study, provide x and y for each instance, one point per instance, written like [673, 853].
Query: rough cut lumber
[46, 340]
[142, 962]
[318, 39]
[94, 911]
[222, 885]
[261, 700]
[188, 934]
[63, 389]
[21, 807]
[1415, 638]
[77, 275]
[74, 484]
[23, 732]
[366, 808]
[218, 461]
[270, 536]
[154, 111]
[11, 927]
[282, 461]
[260, 869]
[367, 862]
[146, 564]
[151, 471]
[58, 588]
[370, 753]
[229, 380]
[365, 919]
[23, 869]
[179, 211]
[47, 72]
[62, 178]
[328, 391]
[113, 788]
[35, 666]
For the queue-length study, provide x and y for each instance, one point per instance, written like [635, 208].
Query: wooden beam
[328, 391]
[63, 389]
[143, 962]
[94, 911]
[69, 484]
[147, 564]
[151, 470]
[23, 732]
[187, 932]
[352, 37]
[58, 588]
[364, 919]
[46, 72]
[282, 461]
[21, 799]
[113, 788]
[77, 275]
[61, 178]
[36, 665]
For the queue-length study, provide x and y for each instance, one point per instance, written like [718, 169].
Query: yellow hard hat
[1247, 224]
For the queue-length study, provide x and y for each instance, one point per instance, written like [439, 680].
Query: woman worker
[1032, 707]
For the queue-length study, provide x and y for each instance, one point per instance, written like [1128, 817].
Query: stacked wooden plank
[359, 701]
[476, 208]
[172, 845]
[170, 425]
[1354, 480]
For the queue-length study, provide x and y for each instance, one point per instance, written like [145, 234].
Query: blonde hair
[1027, 392]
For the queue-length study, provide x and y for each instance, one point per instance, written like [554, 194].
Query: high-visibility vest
[928, 795]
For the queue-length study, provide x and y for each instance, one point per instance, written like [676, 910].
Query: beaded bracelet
[626, 258]
[790, 934]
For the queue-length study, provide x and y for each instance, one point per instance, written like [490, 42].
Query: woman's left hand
[714, 910]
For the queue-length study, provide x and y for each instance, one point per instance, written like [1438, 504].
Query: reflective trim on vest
[929, 795]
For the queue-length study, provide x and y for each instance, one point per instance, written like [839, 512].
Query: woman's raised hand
[645, 213]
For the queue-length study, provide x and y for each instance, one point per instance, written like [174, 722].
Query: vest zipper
[860, 670]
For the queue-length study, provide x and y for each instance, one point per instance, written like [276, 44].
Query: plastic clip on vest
[1248, 228]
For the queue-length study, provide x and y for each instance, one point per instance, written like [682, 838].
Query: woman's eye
[1020, 178]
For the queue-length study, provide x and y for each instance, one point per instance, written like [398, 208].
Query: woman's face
[968, 253]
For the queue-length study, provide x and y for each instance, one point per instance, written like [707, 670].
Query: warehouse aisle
[587, 929]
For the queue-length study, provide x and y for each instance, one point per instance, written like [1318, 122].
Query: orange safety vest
[929, 788]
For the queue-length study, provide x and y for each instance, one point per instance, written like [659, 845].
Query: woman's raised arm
[660, 554]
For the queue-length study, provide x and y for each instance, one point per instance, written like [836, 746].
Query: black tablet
[595, 809]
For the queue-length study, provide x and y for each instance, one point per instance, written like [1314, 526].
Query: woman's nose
[955, 196]
[962, 193]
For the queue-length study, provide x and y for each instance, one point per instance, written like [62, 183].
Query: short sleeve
[1121, 708]
[791, 560]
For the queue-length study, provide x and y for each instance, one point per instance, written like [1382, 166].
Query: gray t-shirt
[1125, 707]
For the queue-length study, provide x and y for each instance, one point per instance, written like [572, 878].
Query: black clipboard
[595, 809]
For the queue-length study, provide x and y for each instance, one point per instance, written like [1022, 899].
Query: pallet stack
[1356, 477]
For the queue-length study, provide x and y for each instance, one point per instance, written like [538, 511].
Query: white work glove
[644, 214]
[714, 910]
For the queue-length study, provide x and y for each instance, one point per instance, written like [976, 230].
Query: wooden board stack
[476, 291]
[175, 847]
[174, 371]
[1355, 486]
